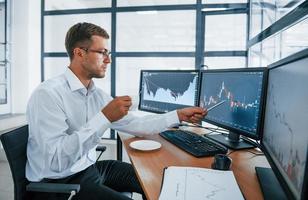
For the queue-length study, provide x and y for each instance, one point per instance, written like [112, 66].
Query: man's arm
[191, 114]
[151, 124]
[117, 108]
[51, 137]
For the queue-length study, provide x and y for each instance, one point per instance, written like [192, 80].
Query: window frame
[6, 108]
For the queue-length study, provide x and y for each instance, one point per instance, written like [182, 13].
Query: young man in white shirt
[68, 115]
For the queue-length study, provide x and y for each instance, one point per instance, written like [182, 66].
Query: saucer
[145, 145]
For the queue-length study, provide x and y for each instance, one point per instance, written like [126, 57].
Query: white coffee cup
[135, 103]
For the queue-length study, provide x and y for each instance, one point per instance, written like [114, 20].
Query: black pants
[103, 180]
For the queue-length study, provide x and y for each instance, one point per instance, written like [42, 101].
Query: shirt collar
[75, 84]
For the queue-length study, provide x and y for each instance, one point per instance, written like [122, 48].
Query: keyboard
[197, 145]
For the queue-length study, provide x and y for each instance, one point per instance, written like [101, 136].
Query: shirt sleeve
[49, 130]
[150, 124]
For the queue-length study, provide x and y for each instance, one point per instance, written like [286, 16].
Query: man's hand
[191, 114]
[117, 108]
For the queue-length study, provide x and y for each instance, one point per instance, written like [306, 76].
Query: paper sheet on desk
[191, 183]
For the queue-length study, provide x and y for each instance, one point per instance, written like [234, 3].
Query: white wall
[26, 41]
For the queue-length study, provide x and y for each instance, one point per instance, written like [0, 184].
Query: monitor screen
[166, 90]
[240, 92]
[285, 137]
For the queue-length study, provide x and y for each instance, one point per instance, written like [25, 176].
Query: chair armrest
[52, 187]
[101, 148]
[127, 194]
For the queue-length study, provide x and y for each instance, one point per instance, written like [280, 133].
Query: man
[67, 116]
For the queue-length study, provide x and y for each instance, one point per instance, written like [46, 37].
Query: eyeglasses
[104, 53]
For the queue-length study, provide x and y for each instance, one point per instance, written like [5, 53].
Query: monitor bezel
[293, 58]
[258, 134]
[166, 71]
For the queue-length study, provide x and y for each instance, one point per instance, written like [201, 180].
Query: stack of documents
[191, 183]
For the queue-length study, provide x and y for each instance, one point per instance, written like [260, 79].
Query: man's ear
[78, 52]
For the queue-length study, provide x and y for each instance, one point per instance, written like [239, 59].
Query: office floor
[6, 182]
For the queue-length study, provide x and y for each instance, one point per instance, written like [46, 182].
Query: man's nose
[107, 60]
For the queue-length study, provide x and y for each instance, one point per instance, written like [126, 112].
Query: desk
[149, 166]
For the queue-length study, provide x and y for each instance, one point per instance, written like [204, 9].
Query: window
[157, 34]
[294, 38]
[281, 36]
[54, 40]
[225, 37]
[75, 4]
[225, 62]
[225, 32]
[5, 90]
[128, 70]
[266, 12]
[224, 1]
[156, 31]
[153, 2]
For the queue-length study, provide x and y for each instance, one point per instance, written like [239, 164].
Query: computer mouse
[221, 162]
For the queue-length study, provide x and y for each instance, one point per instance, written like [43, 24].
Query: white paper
[191, 183]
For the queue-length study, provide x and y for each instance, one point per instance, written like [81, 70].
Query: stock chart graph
[225, 95]
[165, 91]
[285, 125]
[241, 92]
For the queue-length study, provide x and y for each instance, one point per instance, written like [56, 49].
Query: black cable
[255, 143]
[231, 152]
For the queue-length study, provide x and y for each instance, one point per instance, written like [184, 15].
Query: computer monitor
[285, 132]
[166, 90]
[241, 93]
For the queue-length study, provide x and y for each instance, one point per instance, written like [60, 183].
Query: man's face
[96, 58]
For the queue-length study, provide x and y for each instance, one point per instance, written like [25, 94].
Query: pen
[214, 106]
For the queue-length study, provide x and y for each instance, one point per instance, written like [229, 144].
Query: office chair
[15, 146]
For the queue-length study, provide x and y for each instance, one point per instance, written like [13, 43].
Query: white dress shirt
[66, 124]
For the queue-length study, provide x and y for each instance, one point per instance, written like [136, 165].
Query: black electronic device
[194, 144]
[285, 138]
[239, 95]
[166, 90]
[221, 162]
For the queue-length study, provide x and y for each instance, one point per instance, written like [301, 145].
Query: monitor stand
[232, 141]
[270, 186]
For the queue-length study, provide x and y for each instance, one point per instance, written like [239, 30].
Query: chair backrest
[15, 146]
